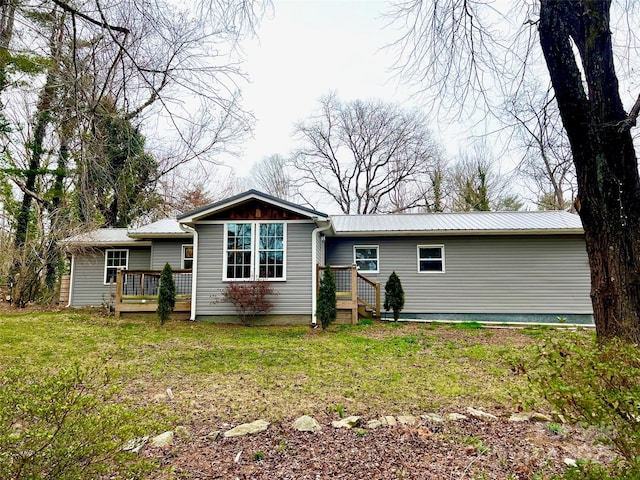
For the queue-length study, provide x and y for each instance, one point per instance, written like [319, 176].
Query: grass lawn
[243, 373]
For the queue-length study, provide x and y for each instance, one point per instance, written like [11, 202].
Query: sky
[307, 49]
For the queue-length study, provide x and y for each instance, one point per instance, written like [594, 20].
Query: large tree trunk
[606, 166]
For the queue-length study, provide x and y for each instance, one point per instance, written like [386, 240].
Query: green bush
[598, 386]
[166, 294]
[326, 309]
[68, 424]
[394, 296]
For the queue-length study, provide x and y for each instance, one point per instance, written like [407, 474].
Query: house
[484, 266]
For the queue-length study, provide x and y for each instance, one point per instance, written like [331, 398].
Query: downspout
[72, 269]
[194, 268]
[314, 271]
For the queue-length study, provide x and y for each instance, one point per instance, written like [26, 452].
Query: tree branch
[68, 8]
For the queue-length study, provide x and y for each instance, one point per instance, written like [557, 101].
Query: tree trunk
[36, 146]
[606, 166]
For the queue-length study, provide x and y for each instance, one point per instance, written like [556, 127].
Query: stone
[247, 428]
[474, 412]
[456, 417]
[388, 420]
[520, 417]
[135, 445]
[183, 432]
[373, 424]
[409, 420]
[570, 462]
[306, 424]
[163, 440]
[349, 422]
[432, 417]
[540, 417]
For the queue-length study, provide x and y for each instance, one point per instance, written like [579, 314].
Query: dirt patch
[466, 449]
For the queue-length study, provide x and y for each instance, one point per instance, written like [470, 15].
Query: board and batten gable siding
[88, 274]
[532, 274]
[164, 251]
[294, 294]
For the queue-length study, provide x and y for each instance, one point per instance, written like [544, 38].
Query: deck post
[119, 283]
[378, 314]
[354, 294]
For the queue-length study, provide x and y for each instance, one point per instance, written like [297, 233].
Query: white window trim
[430, 272]
[184, 247]
[365, 272]
[106, 256]
[255, 255]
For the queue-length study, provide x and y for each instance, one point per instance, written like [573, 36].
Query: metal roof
[459, 223]
[165, 228]
[103, 237]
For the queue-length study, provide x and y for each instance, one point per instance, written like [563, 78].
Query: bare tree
[362, 153]
[457, 44]
[271, 175]
[92, 76]
[547, 161]
[476, 184]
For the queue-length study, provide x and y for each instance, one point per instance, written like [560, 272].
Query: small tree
[394, 296]
[166, 294]
[327, 310]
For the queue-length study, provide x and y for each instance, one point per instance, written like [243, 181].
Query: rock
[163, 440]
[247, 428]
[183, 432]
[306, 424]
[570, 462]
[520, 417]
[135, 445]
[349, 422]
[474, 412]
[373, 424]
[432, 417]
[408, 420]
[455, 417]
[388, 420]
[540, 417]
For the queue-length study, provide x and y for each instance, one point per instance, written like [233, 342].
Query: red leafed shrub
[249, 298]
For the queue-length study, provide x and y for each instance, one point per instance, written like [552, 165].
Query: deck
[137, 292]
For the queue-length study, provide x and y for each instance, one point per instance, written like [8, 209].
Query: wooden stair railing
[354, 292]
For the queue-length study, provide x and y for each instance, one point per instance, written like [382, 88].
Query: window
[366, 258]
[238, 246]
[187, 257]
[114, 260]
[255, 251]
[431, 258]
[271, 250]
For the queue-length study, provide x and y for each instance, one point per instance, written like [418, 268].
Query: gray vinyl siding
[88, 274]
[483, 274]
[294, 294]
[164, 251]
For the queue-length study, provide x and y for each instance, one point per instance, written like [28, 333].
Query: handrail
[373, 284]
[357, 295]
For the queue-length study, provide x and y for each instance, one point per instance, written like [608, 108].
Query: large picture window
[255, 251]
[114, 260]
[366, 258]
[431, 258]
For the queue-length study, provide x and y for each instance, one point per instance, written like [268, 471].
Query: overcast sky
[305, 50]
